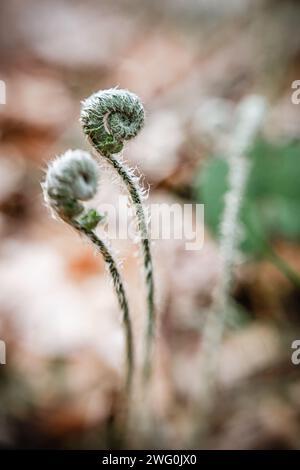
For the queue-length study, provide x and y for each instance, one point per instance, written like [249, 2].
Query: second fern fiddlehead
[109, 118]
[70, 179]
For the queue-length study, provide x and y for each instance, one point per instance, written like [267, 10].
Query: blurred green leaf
[272, 203]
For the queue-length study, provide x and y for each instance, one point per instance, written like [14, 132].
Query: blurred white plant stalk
[249, 118]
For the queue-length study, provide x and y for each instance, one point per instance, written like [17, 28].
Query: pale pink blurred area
[190, 62]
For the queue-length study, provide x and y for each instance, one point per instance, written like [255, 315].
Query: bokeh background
[191, 62]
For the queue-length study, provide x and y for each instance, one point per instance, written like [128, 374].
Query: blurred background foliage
[191, 62]
[271, 206]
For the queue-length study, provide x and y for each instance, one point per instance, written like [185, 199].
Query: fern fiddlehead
[109, 118]
[70, 179]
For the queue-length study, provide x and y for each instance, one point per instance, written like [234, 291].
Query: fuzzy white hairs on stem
[109, 118]
[71, 179]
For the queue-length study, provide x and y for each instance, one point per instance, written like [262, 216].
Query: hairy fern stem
[120, 292]
[109, 118]
[70, 179]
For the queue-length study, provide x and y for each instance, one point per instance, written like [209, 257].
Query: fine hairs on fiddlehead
[250, 115]
[70, 179]
[109, 118]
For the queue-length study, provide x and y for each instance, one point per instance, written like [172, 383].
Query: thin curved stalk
[136, 199]
[120, 292]
[110, 118]
[72, 178]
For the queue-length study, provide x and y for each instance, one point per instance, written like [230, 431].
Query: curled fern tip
[110, 117]
[71, 178]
